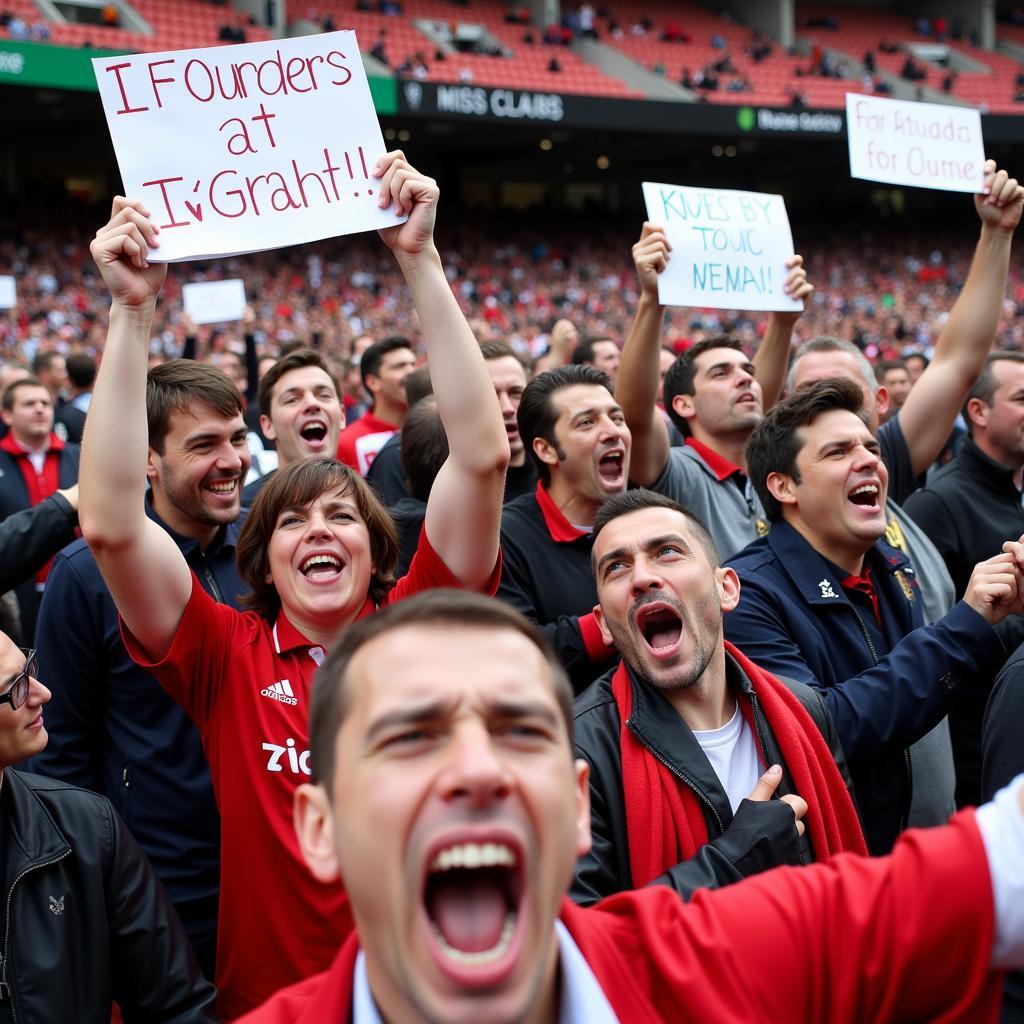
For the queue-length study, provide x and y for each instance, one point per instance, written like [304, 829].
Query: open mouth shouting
[472, 900]
[314, 435]
[321, 567]
[867, 496]
[611, 468]
[661, 627]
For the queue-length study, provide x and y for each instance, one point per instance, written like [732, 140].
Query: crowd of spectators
[887, 291]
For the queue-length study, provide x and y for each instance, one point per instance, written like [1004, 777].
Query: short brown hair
[639, 499]
[173, 386]
[423, 448]
[329, 703]
[12, 388]
[296, 487]
[537, 415]
[681, 375]
[775, 443]
[294, 360]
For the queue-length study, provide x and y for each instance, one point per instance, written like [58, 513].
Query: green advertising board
[59, 67]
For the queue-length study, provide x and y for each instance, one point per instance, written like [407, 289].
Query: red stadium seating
[177, 24]
[525, 68]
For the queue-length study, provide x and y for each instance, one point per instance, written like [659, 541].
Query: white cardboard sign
[234, 149]
[902, 142]
[8, 293]
[214, 302]
[729, 248]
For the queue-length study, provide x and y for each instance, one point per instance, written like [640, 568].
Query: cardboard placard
[729, 248]
[240, 148]
[214, 302]
[929, 145]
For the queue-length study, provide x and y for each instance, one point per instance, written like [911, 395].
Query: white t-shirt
[733, 755]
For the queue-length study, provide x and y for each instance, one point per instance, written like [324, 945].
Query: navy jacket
[885, 684]
[113, 729]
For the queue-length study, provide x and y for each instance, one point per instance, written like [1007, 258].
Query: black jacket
[1003, 762]
[548, 577]
[762, 835]
[86, 921]
[31, 537]
[969, 509]
[14, 497]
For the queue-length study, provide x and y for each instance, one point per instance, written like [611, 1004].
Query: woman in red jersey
[318, 551]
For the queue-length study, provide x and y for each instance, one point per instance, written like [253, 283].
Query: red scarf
[664, 816]
[39, 485]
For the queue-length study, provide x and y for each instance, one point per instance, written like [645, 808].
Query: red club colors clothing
[855, 940]
[359, 443]
[246, 683]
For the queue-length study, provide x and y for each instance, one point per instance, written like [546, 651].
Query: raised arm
[931, 407]
[772, 357]
[464, 510]
[636, 387]
[141, 564]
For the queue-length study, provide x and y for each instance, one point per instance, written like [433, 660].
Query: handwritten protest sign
[906, 143]
[214, 302]
[239, 148]
[729, 249]
[7, 292]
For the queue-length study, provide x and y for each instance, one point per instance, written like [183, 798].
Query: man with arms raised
[575, 435]
[826, 602]
[300, 411]
[714, 395]
[449, 802]
[668, 788]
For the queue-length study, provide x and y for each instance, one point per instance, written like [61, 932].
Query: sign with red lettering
[729, 248]
[906, 143]
[234, 149]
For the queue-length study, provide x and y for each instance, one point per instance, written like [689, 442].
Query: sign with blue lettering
[729, 248]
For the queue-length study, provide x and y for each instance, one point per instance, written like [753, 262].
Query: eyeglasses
[17, 692]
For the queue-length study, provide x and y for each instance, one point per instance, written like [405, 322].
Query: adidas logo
[281, 691]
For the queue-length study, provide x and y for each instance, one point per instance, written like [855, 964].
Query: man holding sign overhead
[713, 393]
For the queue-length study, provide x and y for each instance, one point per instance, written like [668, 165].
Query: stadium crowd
[888, 292]
[464, 635]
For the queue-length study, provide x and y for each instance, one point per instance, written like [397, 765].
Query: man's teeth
[316, 560]
[474, 855]
[864, 489]
[223, 487]
[483, 956]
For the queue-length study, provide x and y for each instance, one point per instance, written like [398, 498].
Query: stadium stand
[521, 65]
[177, 24]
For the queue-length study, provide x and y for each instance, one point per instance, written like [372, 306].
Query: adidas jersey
[246, 683]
